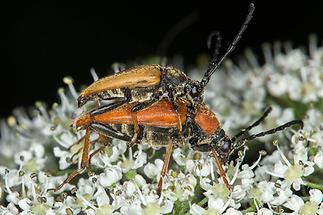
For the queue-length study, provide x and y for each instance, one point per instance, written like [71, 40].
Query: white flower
[232, 211]
[316, 196]
[215, 206]
[110, 176]
[292, 173]
[294, 203]
[264, 211]
[277, 84]
[282, 193]
[153, 170]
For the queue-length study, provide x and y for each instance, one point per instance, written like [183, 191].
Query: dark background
[49, 40]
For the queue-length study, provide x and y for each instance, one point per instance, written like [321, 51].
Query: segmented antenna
[274, 130]
[216, 63]
[256, 123]
[264, 133]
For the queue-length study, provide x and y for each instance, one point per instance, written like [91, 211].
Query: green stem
[248, 210]
[314, 186]
[203, 201]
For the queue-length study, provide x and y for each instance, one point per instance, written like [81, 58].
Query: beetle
[159, 123]
[148, 84]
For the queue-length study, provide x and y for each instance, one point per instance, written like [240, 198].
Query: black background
[46, 41]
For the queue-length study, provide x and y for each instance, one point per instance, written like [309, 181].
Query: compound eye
[226, 146]
[194, 91]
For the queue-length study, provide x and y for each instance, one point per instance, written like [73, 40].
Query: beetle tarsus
[67, 180]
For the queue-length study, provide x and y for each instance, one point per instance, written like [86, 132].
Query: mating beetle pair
[161, 105]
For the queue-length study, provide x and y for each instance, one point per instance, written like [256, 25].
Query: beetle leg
[79, 150]
[84, 162]
[107, 130]
[76, 153]
[77, 142]
[165, 166]
[222, 173]
[85, 153]
[105, 143]
[67, 180]
[108, 107]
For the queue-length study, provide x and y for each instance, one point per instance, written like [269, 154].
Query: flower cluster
[39, 149]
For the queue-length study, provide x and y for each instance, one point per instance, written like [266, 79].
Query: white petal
[205, 184]
[38, 149]
[141, 159]
[318, 159]
[196, 210]
[283, 196]
[12, 208]
[24, 204]
[130, 188]
[140, 181]
[297, 184]
[178, 156]
[294, 203]
[280, 168]
[277, 85]
[264, 211]
[238, 193]
[63, 155]
[50, 212]
[152, 170]
[216, 203]
[131, 210]
[110, 176]
[101, 197]
[309, 169]
[167, 207]
[316, 196]
[13, 197]
[232, 211]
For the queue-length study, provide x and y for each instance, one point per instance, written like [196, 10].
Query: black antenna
[245, 130]
[271, 131]
[274, 130]
[216, 63]
[217, 45]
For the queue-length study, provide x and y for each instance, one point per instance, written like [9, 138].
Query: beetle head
[220, 142]
[223, 148]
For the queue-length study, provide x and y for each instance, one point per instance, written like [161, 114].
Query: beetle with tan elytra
[148, 84]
